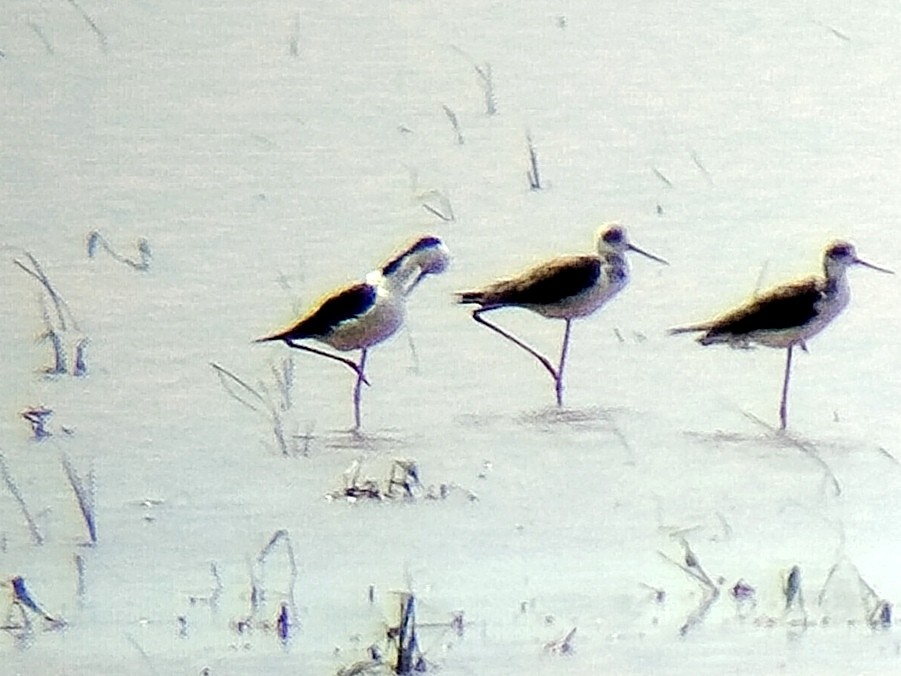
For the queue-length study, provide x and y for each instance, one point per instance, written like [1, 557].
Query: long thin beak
[632, 247]
[873, 267]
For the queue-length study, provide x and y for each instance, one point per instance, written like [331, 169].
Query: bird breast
[829, 307]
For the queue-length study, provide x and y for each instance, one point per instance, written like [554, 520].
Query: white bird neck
[617, 268]
[402, 277]
[836, 276]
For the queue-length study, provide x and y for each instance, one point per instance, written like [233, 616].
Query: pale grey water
[262, 180]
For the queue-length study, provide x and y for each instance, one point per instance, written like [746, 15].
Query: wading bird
[364, 314]
[566, 287]
[789, 314]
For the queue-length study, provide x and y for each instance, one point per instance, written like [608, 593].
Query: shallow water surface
[270, 154]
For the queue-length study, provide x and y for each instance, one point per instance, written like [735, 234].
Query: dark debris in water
[402, 483]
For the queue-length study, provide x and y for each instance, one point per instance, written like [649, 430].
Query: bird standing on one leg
[789, 314]
[361, 315]
[564, 288]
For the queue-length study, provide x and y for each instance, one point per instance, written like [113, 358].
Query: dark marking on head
[614, 235]
[421, 244]
[840, 250]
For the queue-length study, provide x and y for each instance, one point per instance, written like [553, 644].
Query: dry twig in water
[84, 496]
[88, 19]
[532, 174]
[455, 123]
[250, 397]
[483, 71]
[561, 646]
[692, 568]
[14, 491]
[96, 240]
[806, 448]
[64, 322]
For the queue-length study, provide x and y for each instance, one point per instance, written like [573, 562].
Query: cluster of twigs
[37, 417]
[877, 611]
[402, 483]
[485, 79]
[285, 618]
[273, 407]
[261, 616]
[402, 652]
[96, 241]
[23, 604]
[563, 645]
[60, 327]
[62, 332]
[691, 566]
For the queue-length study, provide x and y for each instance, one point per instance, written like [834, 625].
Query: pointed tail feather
[464, 297]
[711, 335]
[694, 328]
[275, 336]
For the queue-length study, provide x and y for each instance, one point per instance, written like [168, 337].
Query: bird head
[612, 239]
[425, 256]
[431, 255]
[841, 254]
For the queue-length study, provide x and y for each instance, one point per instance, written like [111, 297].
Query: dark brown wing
[546, 284]
[346, 304]
[785, 307]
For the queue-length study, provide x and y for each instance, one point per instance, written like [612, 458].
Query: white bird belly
[379, 323]
[581, 305]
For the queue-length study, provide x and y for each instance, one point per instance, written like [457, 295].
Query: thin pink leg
[361, 378]
[783, 407]
[477, 315]
[563, 351]
[556, 374]
[322, 353]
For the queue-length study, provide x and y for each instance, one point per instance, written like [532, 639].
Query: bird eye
[840, 251]
[614, 236]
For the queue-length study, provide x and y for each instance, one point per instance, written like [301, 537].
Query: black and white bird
[789, 314]
[566, 287]
[361, 315]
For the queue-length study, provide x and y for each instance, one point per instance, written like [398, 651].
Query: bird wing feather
[347, 303]
[545, 284]
[784, 307]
